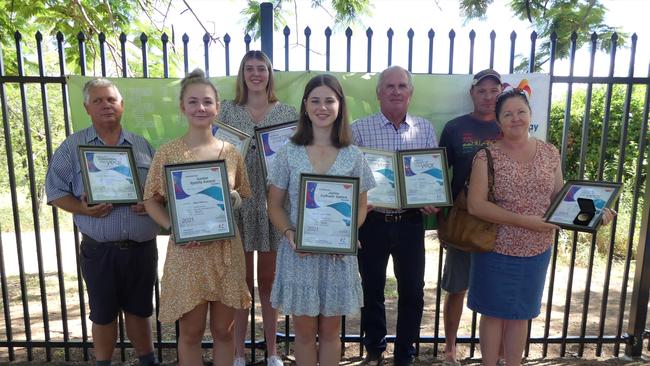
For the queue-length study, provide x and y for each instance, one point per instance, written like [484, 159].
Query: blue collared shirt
[64, 178]
[377, 132]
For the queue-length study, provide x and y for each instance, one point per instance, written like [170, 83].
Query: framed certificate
[579, 205]
[238, 138]
[270, 139]
[383, 165]
[109, 174]
[199, 201]
[424, 178]
[327, 214]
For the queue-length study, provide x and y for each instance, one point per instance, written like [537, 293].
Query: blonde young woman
[255, 105]
[207, 276]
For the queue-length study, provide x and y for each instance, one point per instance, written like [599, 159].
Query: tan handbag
[467, 232]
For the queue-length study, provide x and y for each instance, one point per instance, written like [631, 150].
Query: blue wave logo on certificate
[108, 162]
[576, 192]
[434, 172]
[213, 192]
[268, 151]
[389, 174]
[330, 199]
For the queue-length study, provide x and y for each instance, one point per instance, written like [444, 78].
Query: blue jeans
[404, 240]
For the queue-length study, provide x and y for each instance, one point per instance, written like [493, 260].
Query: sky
[223, 16]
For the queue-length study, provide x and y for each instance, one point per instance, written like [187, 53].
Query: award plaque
[270, 139]
[237, 138]
[579, 205]
[383, 165]
[424, 178]
[327, 214]
[199, 201]
[109, 174]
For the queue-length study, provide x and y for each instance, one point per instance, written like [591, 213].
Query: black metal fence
[583, 322]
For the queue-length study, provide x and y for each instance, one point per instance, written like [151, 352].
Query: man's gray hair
[98, 83]
[391, 68]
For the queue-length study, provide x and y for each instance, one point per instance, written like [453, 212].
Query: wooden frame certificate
[109, 174]
[424, 178]
[579, 205]
[270, 139]
[327, 214]
[383, 165]
[199, 201]
[237, 138]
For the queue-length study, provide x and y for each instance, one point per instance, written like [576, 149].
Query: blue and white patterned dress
[316, 284]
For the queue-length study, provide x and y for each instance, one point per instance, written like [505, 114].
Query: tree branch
[212, 37]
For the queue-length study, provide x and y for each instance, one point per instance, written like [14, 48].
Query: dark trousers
[404, 240]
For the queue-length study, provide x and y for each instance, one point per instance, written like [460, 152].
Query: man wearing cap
[396, 233]
[118, 255]
[462, 137]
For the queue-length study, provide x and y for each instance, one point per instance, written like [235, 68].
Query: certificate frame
[243, 137]
[403, 163]
[301, 238]
[177, 193]
[262, 137]
[87, 155]
[383, 175]
[606, 192]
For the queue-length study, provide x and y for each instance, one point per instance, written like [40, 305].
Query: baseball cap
[487, 73]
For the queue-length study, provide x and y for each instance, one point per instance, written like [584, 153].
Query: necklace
[257, 116]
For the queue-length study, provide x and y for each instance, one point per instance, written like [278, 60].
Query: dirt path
[428, 353]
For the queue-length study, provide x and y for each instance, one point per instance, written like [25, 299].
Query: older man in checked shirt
[118, 247]
[396, 233]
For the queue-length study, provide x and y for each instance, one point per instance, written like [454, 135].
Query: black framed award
[239, 139]
[327, 214]
[424, 178]
[270, 139]
[199, 201]
[109, 174]
[580, 203]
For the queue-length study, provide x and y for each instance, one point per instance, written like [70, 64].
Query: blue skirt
[507, 287]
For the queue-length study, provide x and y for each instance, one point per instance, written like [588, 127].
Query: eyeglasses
[512, 91]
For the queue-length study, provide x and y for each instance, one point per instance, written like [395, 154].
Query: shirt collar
[385, 121]
[126, 137]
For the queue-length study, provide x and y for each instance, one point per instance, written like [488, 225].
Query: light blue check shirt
[64, 178]
[377, 132]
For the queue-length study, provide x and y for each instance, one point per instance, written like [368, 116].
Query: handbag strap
[490, 166]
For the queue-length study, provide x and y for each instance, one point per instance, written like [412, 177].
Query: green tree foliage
[92, 17]
[346, 12]
[563, 17]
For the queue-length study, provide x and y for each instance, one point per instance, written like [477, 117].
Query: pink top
[524, 188]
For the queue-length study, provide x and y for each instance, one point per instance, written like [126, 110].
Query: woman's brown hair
[341, 132]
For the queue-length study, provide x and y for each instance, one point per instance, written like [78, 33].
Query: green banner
[151, 106]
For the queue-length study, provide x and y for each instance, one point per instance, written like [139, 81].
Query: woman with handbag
[506, 284]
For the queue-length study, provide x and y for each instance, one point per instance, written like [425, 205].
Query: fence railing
[29, 146]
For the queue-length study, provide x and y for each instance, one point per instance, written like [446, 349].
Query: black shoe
[407, 362]
[373, 359]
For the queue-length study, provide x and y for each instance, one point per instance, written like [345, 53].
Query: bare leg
[265, 276]
[241, 315]
[452, 312]
[138, 329]
[329, 340]
[305, 347]
[221, 327]
[514, 341]
[490, 334]
[104, 338]
[192, 327]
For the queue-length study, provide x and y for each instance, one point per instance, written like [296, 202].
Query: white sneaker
[239, 361]
[274, 361]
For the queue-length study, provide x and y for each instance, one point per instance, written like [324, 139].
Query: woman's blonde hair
[241, 91]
